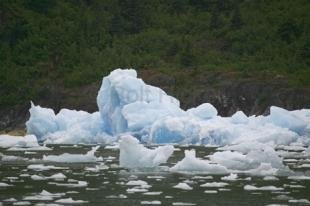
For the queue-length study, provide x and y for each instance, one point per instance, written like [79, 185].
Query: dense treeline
[75, 42]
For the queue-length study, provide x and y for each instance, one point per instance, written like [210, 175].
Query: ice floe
[70, 201]
[71, 158]
[263, 188]
[7, 141]
[214, 184]
[183, 186]
[191, 163]
[135, 155]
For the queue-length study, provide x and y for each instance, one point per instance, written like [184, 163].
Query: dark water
[107, 186]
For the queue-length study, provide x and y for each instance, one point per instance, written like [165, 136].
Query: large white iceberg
[129, 106]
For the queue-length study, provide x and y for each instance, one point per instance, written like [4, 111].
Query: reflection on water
[24, 181]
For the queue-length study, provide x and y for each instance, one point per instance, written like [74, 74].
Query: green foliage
[75, 42]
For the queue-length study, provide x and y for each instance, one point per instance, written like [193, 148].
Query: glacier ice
[88, 157]
[134, 113]
[203, 111]
[128, 105]
[135, 155]
[191, 163]
[283, 118]
[8, 141]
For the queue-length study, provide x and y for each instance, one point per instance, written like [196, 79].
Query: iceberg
[135, 113]
[127, 105]
[135, 155]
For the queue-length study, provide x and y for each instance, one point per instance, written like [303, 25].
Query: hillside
[51, 47]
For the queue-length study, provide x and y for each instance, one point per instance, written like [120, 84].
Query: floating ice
[22, 203]
[41, 167]
[136, 182]
[88, 157]
[191, 163]
[36, 148]
[70, 201]
[135, 155]
[231, 177]
[153, 193]
[2, 184]
[7, 141]
[57, 176]
[73, 185]
[183, 186]
[136, 189]
[211, 191]
[264, 188]
[301, 177]
[128, 105]
[259, 160]
[214, 184]
[153, 202]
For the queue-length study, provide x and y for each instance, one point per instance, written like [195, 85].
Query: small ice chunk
[88, 157]
[153, 193]
[41, 167]
[135, 155]
[301, 177]
[36, 148]
[182, 204]
[210, 191]
[70, 201]
[136, 182]
[12, 199]
[22, 203]
[203, 177]
[183, 186]
[191, 163]
[153, 202]
[136, 189]
[231, 177]
[264, 188]
[302, 201]
[214, 184]
[73, 185]
[2, 184]
[120, 196]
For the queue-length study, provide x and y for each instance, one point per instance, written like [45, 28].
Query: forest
[76, 42]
